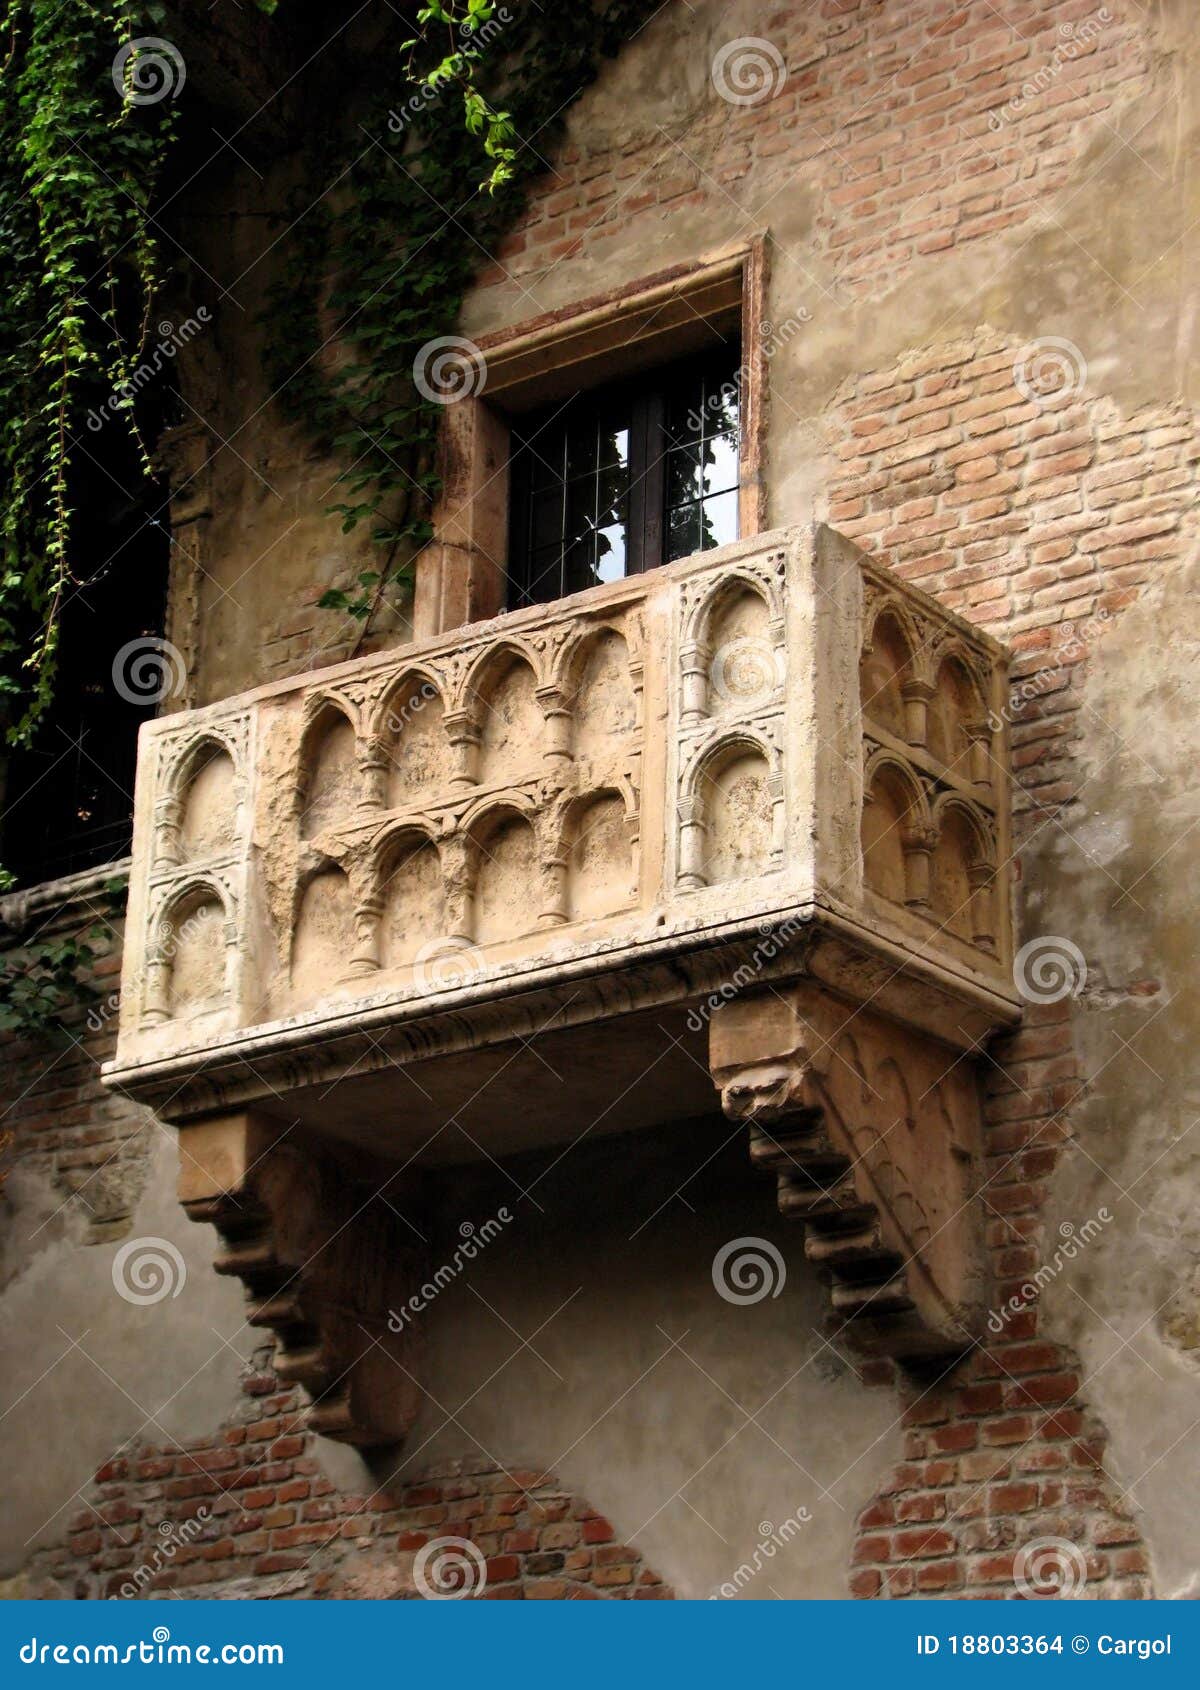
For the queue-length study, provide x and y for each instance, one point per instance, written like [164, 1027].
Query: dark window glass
[621, 479]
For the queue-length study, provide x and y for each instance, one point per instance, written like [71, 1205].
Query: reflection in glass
[626, 479]
[610, 552]
[683, 474]
[720, 523]
[721, 463]
[683, 531]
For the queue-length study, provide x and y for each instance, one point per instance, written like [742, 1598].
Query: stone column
[916, 694]
[918, 840]
[463, 733]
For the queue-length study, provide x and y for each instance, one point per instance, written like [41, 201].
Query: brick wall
[88, 1144]
[1000, 1457]
[250, 1511]
[1040, 518]
[909, 123]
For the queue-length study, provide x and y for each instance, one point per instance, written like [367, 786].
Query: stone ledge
[18, 909]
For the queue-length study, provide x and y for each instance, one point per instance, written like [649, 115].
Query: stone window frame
[461, 576]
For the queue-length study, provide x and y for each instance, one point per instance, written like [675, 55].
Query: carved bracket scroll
[872, 1132]
[324, 1255]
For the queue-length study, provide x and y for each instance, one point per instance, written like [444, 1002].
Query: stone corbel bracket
[325, 1257]
[872, 1130]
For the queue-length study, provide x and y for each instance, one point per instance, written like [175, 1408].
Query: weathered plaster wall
[587, 1340]
[1129, 1299]
[693, 1422]
[255, 545]
[84, 1368]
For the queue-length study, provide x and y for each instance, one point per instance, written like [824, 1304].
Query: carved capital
[694, 659]
[367, 916]
[168, 821]
[323, 1258]
[458, 878]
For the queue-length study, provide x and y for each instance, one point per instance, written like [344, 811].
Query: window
[611, 435]
[622, 478]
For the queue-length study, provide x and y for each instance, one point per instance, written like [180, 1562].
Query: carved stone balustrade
[608, 825]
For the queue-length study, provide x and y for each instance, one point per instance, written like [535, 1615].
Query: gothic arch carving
[598, 680]
[406, 752]
[897, 831]
[191, 956]
[957, 715]
[731, 809]
[504, 711]
[327, 765]
[764, 583]
[881, 608]
[950, 646]
[595, 837]
[963, 870]
[733, 652]
[324, 931]
[408, 894]
[418, 686]
[504, 862]
[178, 838]
[893, 671]
[488, 667]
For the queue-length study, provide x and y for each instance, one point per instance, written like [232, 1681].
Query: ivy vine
[79, 164]
[381, 267]
[439, 167]
[45, 978]
[477, 95]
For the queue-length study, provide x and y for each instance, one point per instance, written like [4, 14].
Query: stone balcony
[760, 794]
